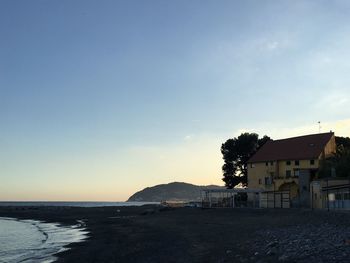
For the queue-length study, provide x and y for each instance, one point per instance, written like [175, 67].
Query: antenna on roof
[319, 127]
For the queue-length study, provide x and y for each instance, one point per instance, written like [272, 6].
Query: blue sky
[99, 99]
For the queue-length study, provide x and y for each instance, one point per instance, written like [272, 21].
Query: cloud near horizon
[196, 161]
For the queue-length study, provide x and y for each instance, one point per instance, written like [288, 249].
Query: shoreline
[156, 234]
[43, 242]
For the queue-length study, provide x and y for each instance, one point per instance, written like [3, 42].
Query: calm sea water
[34, 241]
[77, 204]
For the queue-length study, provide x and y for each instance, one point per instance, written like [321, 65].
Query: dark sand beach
[155, 234]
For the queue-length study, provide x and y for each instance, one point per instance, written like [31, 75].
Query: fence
[233, 198]
[336, 197]
[229, 198]
[275, 199]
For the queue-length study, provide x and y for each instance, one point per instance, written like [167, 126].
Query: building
[330, 193]
[290, 165]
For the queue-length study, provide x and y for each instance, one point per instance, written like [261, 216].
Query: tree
[345, 141]
[342, 162]
[338, 163]
[236, 153]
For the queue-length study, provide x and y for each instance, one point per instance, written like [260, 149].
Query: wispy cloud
[272, 45]
[333, 102]
[276, 131]
[188, 137]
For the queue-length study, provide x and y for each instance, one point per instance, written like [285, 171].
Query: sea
[32, 241]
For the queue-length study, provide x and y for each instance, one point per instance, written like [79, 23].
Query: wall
[260, 171]
[330, 148]
[279, 168]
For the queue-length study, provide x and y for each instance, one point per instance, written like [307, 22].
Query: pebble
[306, 243]
[283, 258]
[272, 244]
[272, 251]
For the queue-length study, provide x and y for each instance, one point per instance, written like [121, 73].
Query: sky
[99, 99]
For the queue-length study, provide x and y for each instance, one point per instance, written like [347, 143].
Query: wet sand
[154, 234]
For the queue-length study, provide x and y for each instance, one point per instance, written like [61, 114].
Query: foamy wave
[35, 241]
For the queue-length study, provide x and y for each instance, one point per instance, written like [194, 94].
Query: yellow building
[290, 165]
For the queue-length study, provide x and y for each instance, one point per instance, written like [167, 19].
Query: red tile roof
[296, 148]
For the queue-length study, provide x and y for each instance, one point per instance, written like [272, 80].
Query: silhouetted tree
[342, 162]
[339, 163]
[344, 141]
[236, 153]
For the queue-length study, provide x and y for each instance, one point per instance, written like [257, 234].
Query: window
[312, 162]
[338, 196]
[287, 162]
[346, 196]
[288, 173]
[252, 165]
[296, 173]
[259, 181]
[267, 163]
[268, 181]
[271, 163]
[296, 162]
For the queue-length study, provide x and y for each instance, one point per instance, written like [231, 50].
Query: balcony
[285, 178]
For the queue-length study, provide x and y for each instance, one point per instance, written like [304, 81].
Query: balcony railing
[284, 177]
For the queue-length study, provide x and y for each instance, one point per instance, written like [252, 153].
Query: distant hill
[175, 191]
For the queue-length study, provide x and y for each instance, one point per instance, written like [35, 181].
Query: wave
[36, 241]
